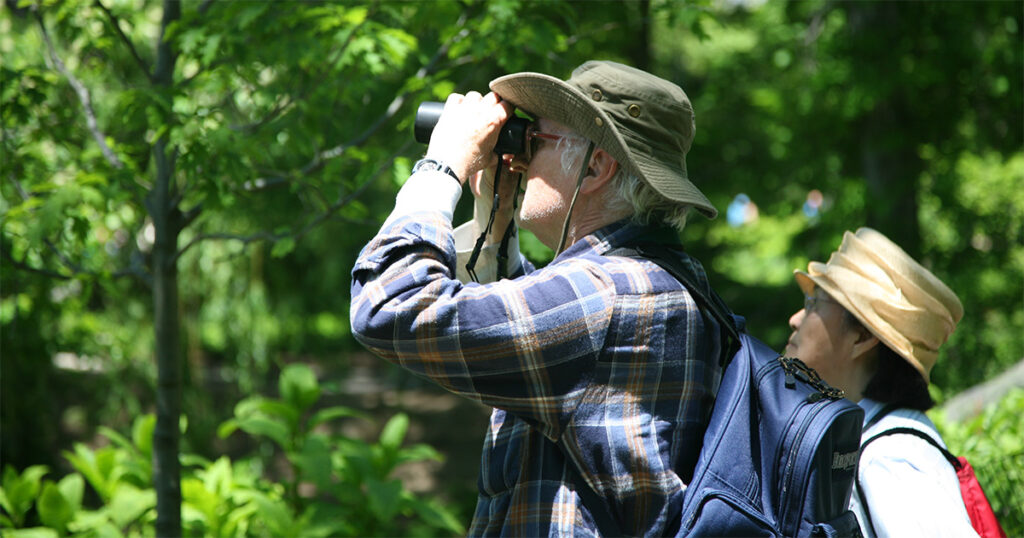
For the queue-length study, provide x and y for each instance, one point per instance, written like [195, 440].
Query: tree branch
[306, 88]
[135, 269]
[971, 402]
[309, 226]
[321, 158]
[115, 22]
[83, 96]
[39, 271]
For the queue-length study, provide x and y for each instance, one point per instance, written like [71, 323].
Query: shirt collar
[871, 408]
[618, 234]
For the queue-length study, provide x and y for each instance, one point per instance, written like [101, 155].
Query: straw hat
[645, 122]
[899, 301]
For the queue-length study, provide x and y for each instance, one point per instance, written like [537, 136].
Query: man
[872, 324]
[600, 369]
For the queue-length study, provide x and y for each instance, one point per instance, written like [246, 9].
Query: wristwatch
[429, 165]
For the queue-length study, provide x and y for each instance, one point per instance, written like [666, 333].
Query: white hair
[630, 192]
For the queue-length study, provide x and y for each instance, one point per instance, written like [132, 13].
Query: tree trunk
[891, 170]
[971, 402]
[889, 162]
[641, 51]
[167, 225]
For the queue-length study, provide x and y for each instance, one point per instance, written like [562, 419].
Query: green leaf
[237, 521]
[262, 425]
[21, 491]
[84, 461]
[211, 48]
[331, 413]
[226, 428]
[117, 439]
[142, 434]
[437, 516]
[419, 452]
[218, 476]
[72, 487]
[195, 495]
[274, 513]
[393, 434]
[129, 503]
[54, 510]
[299, 386]
[314, 461]
[5, 502]
[279, 409]
[282, 247]
[383, 497]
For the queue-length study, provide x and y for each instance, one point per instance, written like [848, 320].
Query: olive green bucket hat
[645, 122]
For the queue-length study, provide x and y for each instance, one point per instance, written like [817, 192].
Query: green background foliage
[259, 157]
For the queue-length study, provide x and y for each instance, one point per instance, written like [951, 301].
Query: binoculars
[511, 139]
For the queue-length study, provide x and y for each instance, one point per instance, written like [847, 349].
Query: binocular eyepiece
[511, 138]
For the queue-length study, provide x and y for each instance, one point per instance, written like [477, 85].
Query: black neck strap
[575, 195]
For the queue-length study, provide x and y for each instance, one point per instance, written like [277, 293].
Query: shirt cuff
[427, 191]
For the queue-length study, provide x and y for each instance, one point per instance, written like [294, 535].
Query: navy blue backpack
[781, 448]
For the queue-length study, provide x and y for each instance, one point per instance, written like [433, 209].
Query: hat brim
[544, 96]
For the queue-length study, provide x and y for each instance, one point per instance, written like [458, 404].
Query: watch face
[428, 166]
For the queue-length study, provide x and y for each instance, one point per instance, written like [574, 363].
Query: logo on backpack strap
[844, 461]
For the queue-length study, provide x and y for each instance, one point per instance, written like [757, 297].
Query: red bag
[983, 518]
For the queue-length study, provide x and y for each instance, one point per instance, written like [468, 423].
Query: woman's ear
[865, 342]
[600, 171]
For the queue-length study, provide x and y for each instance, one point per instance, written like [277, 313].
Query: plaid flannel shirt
[601, 362]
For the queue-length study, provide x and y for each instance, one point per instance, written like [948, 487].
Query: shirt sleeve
[911, 490]
[526, 345]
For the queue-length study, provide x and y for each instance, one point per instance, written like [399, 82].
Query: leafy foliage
[354, 492]
[993, 442]
[286, 128]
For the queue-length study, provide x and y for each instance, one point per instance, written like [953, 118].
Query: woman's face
[823, 339]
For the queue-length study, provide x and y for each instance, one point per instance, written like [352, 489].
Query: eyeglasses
[810, 301]
[533, 138]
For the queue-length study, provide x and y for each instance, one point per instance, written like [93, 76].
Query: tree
[896, 114]
[188, 183]
[136, 132]
[204, 88]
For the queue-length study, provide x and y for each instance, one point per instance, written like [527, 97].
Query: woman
[872, 323]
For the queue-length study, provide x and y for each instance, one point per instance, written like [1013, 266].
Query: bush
[993, 442]
[352, 492]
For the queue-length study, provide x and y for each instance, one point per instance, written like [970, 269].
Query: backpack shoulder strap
[896, 431]
[707, 300]
[916, 433]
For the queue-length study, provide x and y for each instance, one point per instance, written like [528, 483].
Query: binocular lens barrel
[511, 138]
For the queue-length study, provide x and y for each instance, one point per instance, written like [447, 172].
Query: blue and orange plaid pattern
[601, 362]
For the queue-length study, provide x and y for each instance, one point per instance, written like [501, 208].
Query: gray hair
[630, 191]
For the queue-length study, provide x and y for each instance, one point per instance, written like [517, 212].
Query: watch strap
[433, 164]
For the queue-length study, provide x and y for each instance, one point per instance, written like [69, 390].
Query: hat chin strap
[575, 195]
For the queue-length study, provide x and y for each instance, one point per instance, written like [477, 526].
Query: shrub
[994, 444]
[353, 492]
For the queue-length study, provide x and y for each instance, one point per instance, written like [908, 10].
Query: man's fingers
[453, 99]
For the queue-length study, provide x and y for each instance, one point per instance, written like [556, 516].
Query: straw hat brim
[807, 283]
